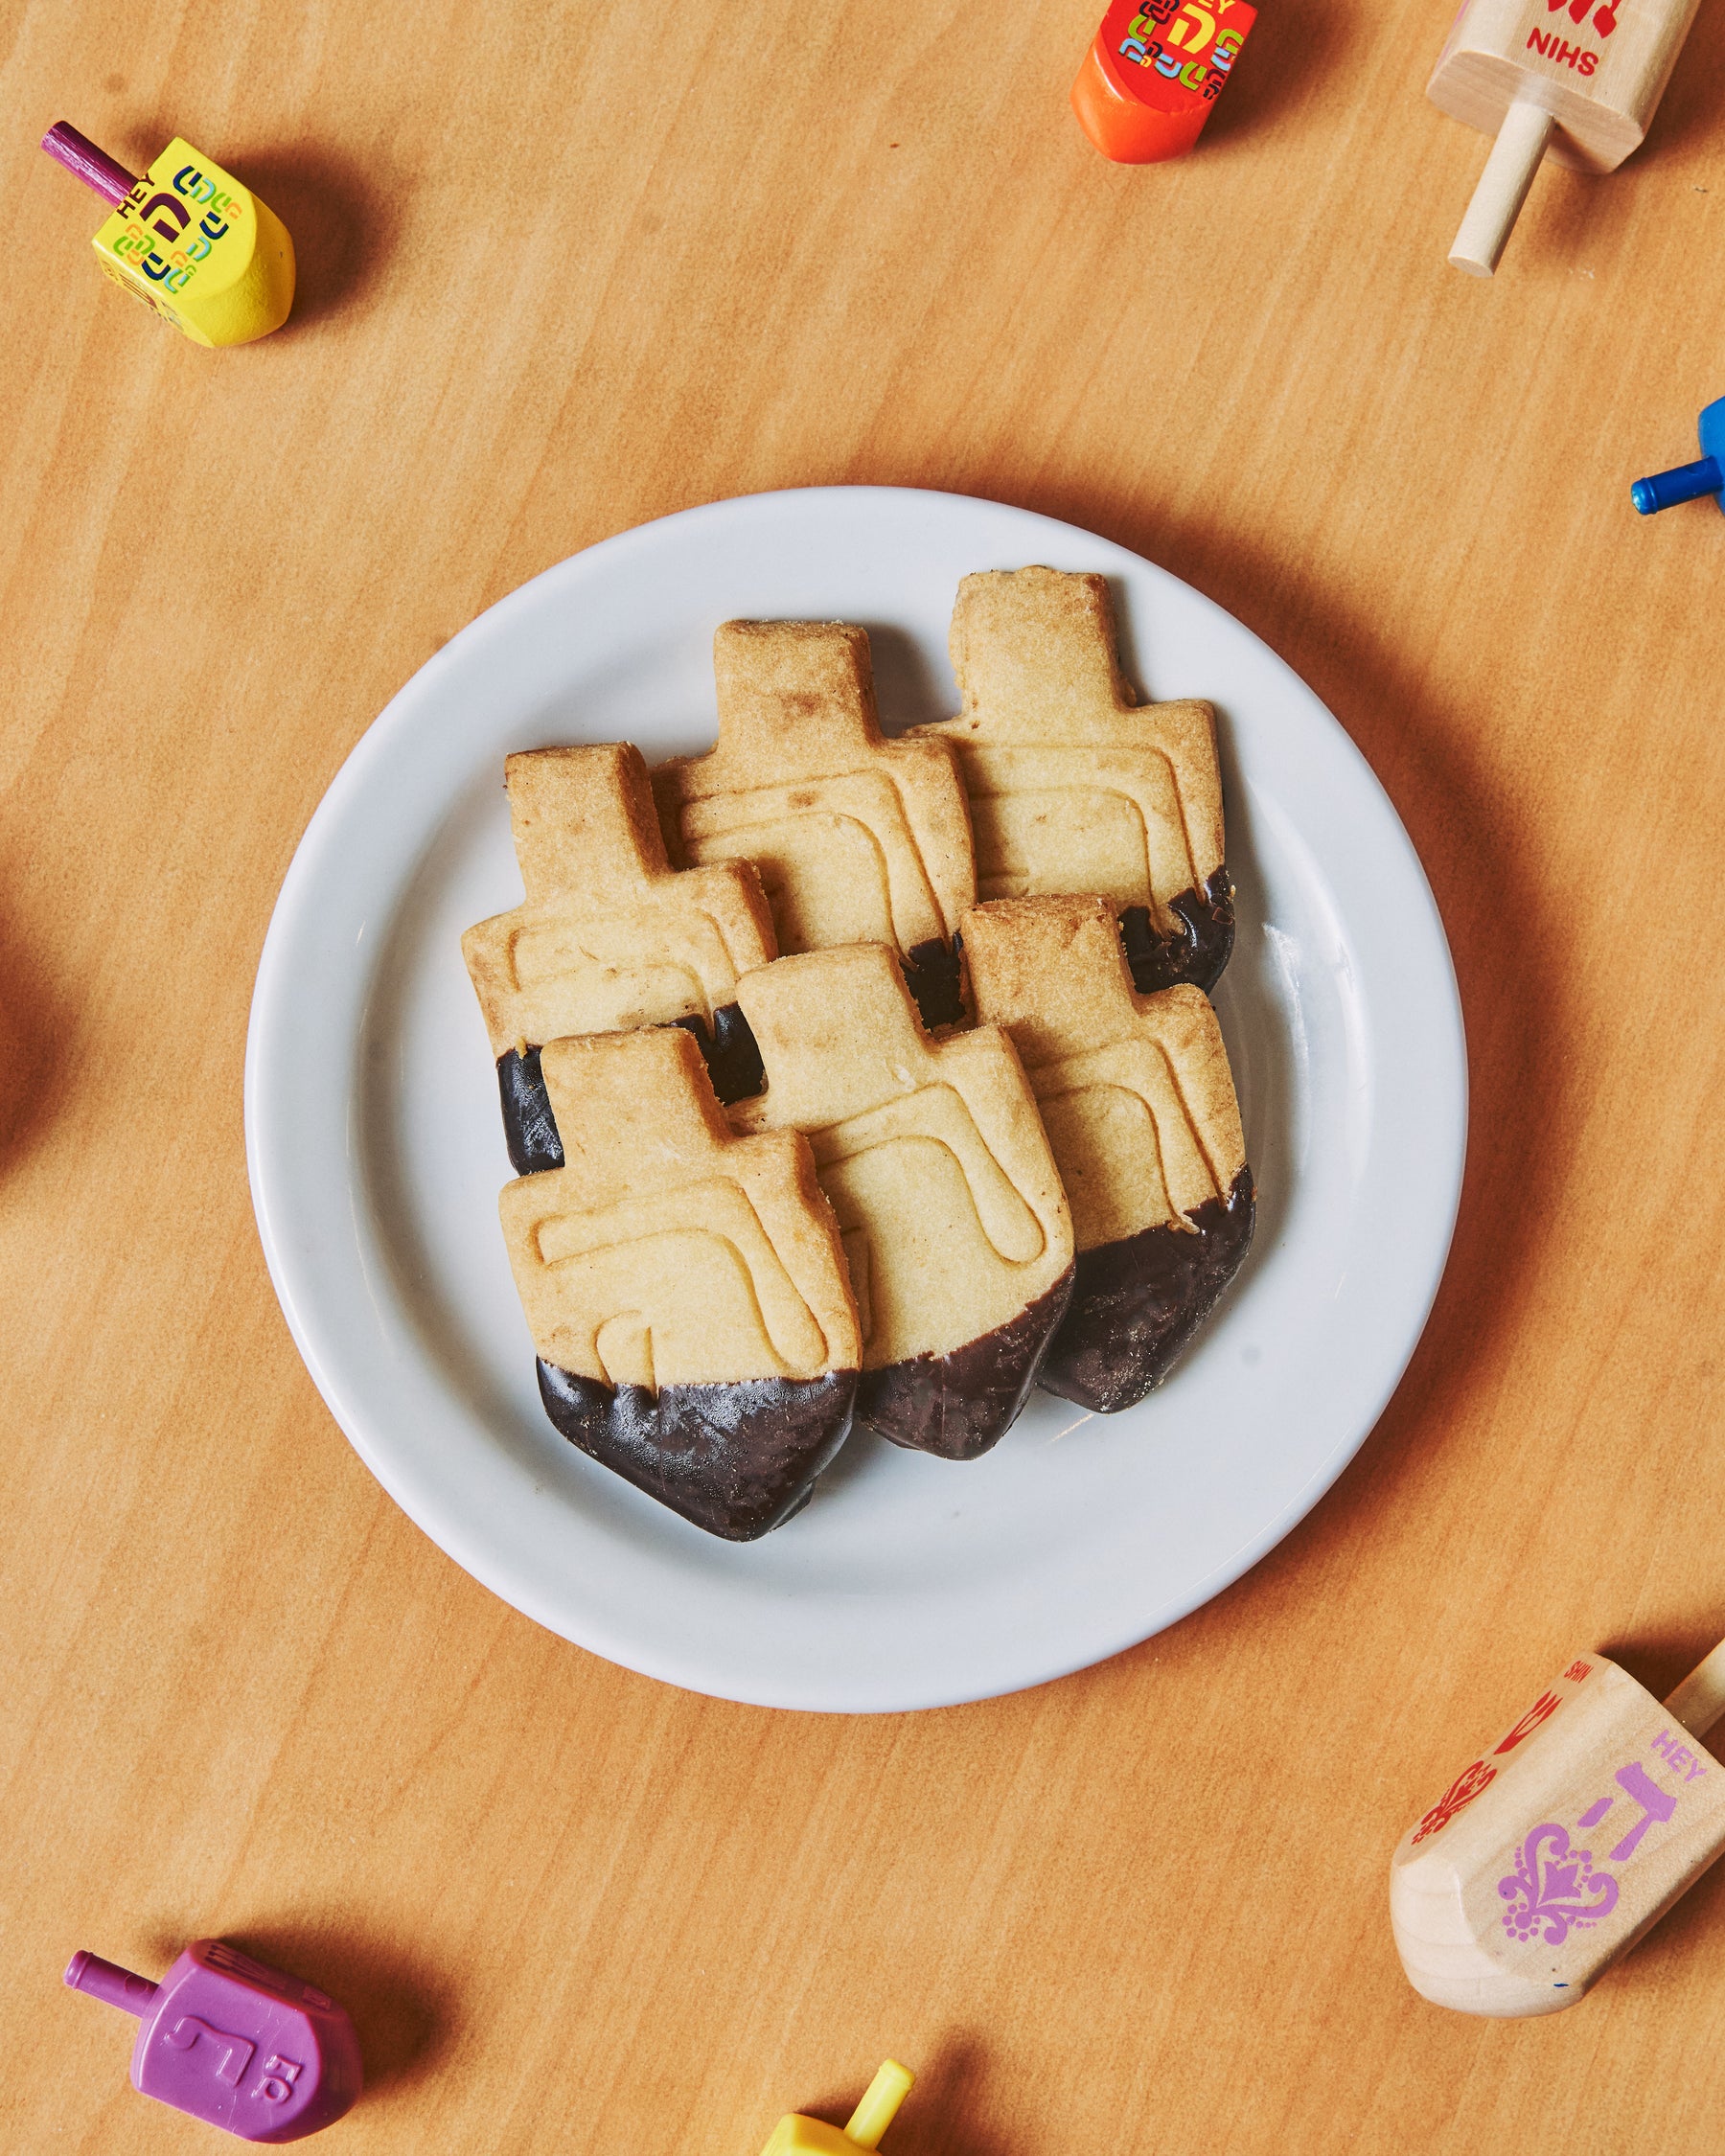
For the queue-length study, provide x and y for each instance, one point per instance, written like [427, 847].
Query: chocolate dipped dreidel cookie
[858, 839]
[684, 1287]
[1139, 1104]
[1072, 786]
[931, 1152]
[1556, 1851]
[610, 938]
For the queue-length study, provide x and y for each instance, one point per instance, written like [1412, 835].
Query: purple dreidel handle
[110, 180]
[109, 1983]
[234, 2042]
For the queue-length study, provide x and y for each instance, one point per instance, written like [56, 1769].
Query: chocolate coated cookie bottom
[736, 1459]
[958, 1404]
[732, 1060]
[1196, 952]
[1136, 1303]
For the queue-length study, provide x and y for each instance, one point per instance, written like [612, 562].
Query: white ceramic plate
[376, 1153]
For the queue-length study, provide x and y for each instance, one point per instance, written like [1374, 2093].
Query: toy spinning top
[1553, 1852]
[1578, 77]
[1689, 482]
[1153, 72]
[235, 2043]
[797, 2136]
[187, 240]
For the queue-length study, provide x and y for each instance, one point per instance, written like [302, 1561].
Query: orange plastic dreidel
[196, 247]
[1154, 72]
[797, 2136]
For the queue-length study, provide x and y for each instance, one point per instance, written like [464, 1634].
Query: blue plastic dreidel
[1689, 482]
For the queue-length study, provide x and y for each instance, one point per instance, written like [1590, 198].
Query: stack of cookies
[849, 1078]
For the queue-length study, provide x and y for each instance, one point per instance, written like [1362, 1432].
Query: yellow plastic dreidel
[797, 2136]
[196, 247]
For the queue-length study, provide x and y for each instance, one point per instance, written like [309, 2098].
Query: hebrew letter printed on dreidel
[1577, 79]
[1554, 1850]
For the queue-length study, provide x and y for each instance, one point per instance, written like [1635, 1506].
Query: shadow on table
[340, 218]
[400, 2006]
[939, 2114]
[1287, 48]
[36, 1038]
[1690, 105]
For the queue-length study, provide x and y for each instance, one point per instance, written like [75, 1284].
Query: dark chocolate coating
[958, 1404]
[1197, 953]
[1138, 1301]
[736, 1459]
[733, 1060]
[528, 1123]
[733, 1063]
[933, 977]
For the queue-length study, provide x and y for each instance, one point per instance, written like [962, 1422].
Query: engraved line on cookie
[937, 1115]
[859, 1257]
[1142, 1071]
[786, 831]
[636, 967]
[728, 1266]
[1017, 813]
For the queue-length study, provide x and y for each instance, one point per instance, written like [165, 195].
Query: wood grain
[565, 270]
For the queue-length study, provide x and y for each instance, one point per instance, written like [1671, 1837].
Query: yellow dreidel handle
[795, 2135]
[878, 2107]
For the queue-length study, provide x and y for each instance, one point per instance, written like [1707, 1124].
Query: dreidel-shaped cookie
[610, 938]
[858, 839]
[795, 2135]
[685, 1287]
[196, 247]
[1576, 80]
[936, 1165]
[1073, 785]
[1554, 1850]
[1139, 1104]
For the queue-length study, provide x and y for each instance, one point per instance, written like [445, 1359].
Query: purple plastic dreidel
[241, 2046]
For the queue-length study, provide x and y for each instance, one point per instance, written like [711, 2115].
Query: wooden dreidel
[196, 247]
[797, 2136]
[1556, 1851]
[1579, 79]
[1689, 482]
[1153, 72]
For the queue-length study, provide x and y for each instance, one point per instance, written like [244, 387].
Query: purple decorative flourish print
[1555, 1886]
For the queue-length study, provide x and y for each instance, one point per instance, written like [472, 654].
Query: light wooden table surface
[565, 269]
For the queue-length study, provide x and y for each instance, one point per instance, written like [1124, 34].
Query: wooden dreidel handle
[1556, 1850]
[797, 2136]
[1575, 80]
[196, 247]
[1497, 200]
